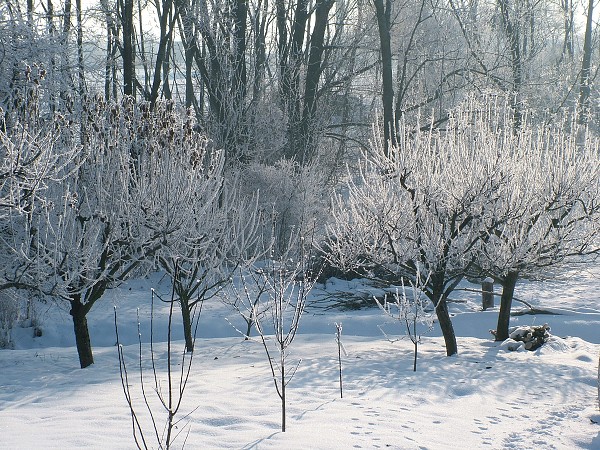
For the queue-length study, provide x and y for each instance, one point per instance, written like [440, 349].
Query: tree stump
[487, 293]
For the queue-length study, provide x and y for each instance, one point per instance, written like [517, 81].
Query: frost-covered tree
[30, 160]
[480, 198]
[551, 206]
[419, 208]
[221, 235]
[127, 199]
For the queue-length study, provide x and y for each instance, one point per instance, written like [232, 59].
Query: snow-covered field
[485, 397]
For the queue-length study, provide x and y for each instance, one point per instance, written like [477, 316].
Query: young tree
[277, 315]
[340, 346]
[170, 394]
[411, 310]
[246, 300]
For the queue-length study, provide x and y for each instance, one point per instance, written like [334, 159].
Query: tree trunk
[128, 70]
[109, 50]
[585, 88]
[313, 75]
[384, 25]
[282, 394]
[516, 62]
[249, 324]
[80, 62]
[416, 344]
[508, 289]
[166, 23]
[189, 40]
[187, 323]
[82, 335]
[568, 11]
[443, 316]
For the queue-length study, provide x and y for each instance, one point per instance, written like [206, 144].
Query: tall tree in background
[126, 8]
[515, 45]
[585, 84]
[383, 14]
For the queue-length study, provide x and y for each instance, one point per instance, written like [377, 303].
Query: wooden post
[487, 293]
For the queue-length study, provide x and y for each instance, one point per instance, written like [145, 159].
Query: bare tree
[277, 316]
[169, 398]
[409, 310]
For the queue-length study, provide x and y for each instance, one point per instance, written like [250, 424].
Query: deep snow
[485, 397]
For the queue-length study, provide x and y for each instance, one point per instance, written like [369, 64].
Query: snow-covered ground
[485, 397]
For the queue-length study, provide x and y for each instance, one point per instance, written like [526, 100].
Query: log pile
[533, 337]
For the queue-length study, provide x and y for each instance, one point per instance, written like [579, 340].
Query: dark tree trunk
[283, 395]
[416, 344]
[508, 289]
[313, 75]
[166, 22]
[80, 62]
[30, 9]
[291, 60]
[383, 23]
[443, 316]
[187, 323]
[249, 324]
[240, 13]
[568, 11]
[109, 54]
[128, 71]
[190, 45]
[82, 334]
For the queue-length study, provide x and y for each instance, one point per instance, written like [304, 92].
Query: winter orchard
[244, 157]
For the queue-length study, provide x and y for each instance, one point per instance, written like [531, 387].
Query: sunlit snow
[485, 397]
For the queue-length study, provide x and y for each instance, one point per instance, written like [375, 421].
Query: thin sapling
[410, 309]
